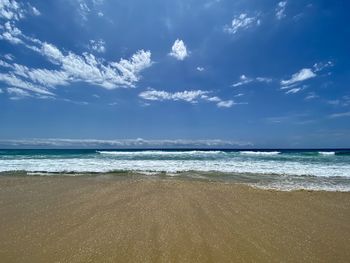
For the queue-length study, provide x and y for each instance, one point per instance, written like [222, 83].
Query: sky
[211, 73]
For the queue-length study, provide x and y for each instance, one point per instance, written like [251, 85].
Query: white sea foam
[161, 153]
[259, 153]
[290, 172]
[238, 165]
[326, 153]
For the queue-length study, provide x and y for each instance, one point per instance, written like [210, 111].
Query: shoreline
[268, 182]
[124, 219]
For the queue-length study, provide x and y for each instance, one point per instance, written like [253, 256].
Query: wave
[326, 153]
[162, 153]
[259, 153]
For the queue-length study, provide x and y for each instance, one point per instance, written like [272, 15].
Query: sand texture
[104, 219]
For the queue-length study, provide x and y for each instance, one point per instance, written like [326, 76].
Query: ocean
[286, 170]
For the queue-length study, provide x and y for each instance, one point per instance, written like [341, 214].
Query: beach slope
[131, 219]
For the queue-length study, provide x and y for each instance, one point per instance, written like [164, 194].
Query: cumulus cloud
[280, 9]
[10, 9]
[16, 10]
[240, 22]
[191, 96]
[303, 74]
[97, 45]
[179, 50]
[200, 69]
[128, 143]
[10, 33]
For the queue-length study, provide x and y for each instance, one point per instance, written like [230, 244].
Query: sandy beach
[134, 219]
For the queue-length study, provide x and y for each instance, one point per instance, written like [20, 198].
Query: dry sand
[97, 219]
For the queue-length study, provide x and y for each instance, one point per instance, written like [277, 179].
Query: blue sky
[213, 73]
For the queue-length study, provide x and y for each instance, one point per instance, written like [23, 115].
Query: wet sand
[131, 219]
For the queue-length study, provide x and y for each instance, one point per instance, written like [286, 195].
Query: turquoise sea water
[273, 169]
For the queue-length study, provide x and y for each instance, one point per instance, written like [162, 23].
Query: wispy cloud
[71, 67]
[17, 93]
[179, 50]
[311, 96]
[280, 9]
[293, 90]
[87, 7]
[322, 65]
[241, 22]
[344, 101]
[191, 96]
[243, 80]
[303, 74]
[293, 84]
[128, 143]
[340, 115]
[200, 69]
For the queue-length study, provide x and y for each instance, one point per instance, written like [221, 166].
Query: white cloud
[10, 9]
[179, 50]
[240, 22]
[322, 65]
[98, 45]
[9, 57]
[1, 91]
[225, 104]
[127, 143]
[339, 115]
[239, 95]
[11, 33]
[200, 69]
[17, 93]
[311, 95]
[264, 79]
[280, 9]
[35, 11]
[293, 91]
[243, 80]
[344, 101]
[14, 81]
[303, 74]
[48, 78]
[71, 67]
[16, 10]
[191, 96]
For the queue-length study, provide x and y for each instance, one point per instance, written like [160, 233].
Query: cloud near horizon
[125, 143]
